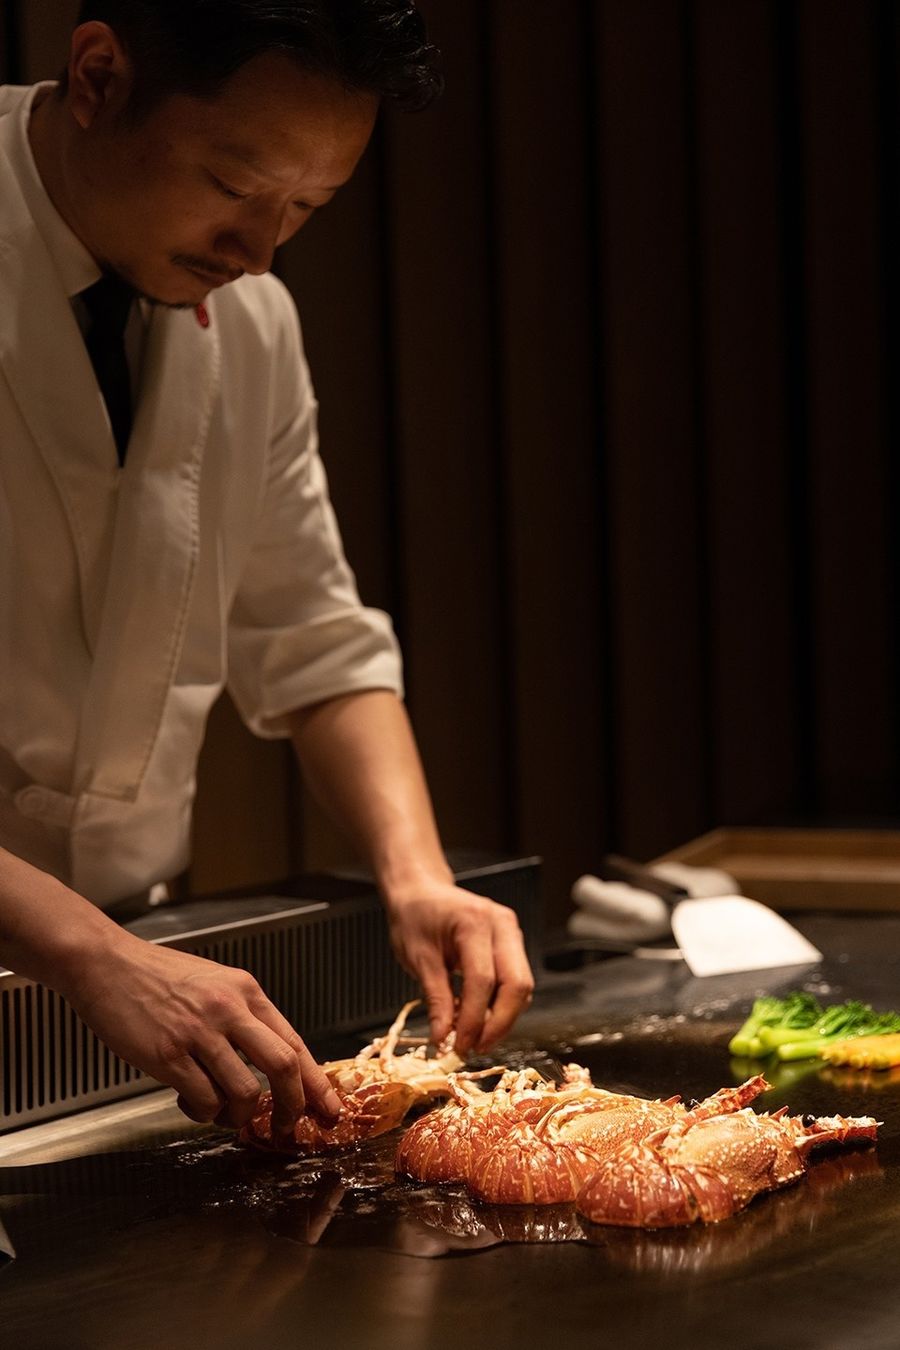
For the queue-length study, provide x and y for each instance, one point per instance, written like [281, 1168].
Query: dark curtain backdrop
[606, 347]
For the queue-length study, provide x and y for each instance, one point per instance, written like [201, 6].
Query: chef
[165, 527]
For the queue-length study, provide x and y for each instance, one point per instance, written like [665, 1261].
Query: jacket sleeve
[298, 632]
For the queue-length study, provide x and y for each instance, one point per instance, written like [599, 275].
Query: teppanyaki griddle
[162, 1234]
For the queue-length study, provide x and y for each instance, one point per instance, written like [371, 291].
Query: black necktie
[108, 303]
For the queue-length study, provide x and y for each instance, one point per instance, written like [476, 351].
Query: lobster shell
[366, 1112]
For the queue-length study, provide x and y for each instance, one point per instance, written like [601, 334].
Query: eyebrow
[238, 152]
[246, 156]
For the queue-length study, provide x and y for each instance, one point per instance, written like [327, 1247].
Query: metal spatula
[718, 934]
[727, 933]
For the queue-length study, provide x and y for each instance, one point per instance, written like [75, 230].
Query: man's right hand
[177, 1017]
[183, 1019]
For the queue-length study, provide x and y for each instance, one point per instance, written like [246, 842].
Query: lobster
[528, 1141]
[438, 1148]
[711, 1162]
[545, 1160]
[376, 1087]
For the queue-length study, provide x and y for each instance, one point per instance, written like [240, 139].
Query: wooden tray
[804, 869]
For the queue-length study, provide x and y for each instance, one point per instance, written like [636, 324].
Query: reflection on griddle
[714, 1248]
[860, 1080]
[532, 1223]
[785, 1076]
[354, 1200]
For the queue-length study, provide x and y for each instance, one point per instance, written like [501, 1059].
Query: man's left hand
[443, 929]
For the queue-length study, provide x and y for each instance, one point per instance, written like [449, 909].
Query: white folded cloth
[623, 913]
[613, 909]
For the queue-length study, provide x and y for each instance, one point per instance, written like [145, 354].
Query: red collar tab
[202, 316]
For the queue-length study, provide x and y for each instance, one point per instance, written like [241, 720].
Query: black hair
[193, 46]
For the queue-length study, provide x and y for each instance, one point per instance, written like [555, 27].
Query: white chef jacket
[130, 596]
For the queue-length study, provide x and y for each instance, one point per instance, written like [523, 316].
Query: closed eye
[234, 195]
[225, 190]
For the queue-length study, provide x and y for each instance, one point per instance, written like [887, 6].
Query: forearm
[360, 759]
[46, 929]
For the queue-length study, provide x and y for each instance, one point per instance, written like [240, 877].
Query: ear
[100, 74]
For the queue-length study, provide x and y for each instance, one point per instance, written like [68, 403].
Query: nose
[250, 245]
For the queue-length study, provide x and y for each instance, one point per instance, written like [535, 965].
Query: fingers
[435, 981]
[515, 982]
[296, 1080]
[214, 1082]
[198, 1096]
[218, 1085]
[476, 959]
[238, 1084]
[497, 980]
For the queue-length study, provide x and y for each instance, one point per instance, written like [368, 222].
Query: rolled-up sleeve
[298, 632]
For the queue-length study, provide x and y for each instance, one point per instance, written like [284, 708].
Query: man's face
[199, 191]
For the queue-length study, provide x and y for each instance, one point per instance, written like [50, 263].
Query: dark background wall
[606, 347]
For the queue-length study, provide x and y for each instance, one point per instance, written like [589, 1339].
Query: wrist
[86, 954]
[410, 880]
[48, 932]
[77, 940]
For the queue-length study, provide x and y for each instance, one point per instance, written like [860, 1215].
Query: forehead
[275, 118]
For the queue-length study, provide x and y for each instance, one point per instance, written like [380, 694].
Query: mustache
[204, 265]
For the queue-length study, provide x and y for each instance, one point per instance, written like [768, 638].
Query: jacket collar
[135, 530]
[76, 268]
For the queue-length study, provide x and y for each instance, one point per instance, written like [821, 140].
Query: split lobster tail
[707, 1167]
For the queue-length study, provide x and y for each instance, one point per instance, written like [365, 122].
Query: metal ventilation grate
[327, 972]
[49, 1061]
[327, 965]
